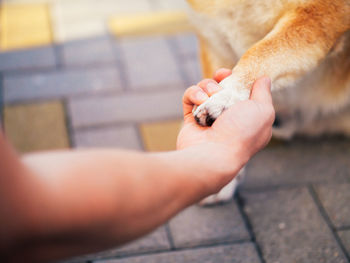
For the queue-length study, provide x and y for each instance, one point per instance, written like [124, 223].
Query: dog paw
[225, 195]
[209, 111]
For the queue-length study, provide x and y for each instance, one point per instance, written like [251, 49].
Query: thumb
[261, 91]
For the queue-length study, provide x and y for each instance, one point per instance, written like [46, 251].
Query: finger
[209, 86]
[261, 91]
[203, 83]
[193, 96]
[221, 74]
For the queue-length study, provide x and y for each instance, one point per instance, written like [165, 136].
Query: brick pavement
[86, 88]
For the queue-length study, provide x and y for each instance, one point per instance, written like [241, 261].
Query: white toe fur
[225, 195]
[232, 92]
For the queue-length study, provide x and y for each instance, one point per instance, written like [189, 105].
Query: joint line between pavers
[125, 123]
[343, 228]
[119, 62]
[139, 137]
[58, 56]
[177, 57]
[271, 188]
[249, 227]
[326, 218]
[169, 236]
[161, 251]
[68, 124]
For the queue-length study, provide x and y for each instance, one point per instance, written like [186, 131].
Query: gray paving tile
[345, 238]
[126, 108]
[299, 162]
[120, 137]
[92, 51]
[187, 44]
[155, 241]
[192, 70]
[240, 253]
[336, 201]
[208, 225]
[289, 227]
[55, 84]
[150, 63]
[38, 58]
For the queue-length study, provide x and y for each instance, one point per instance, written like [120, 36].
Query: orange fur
[291, 41]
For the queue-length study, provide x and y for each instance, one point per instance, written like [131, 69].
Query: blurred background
[111, 73]
[86, 73]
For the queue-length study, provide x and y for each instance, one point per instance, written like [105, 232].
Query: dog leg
[295, 46]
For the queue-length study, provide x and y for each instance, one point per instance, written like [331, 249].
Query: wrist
[212, 165]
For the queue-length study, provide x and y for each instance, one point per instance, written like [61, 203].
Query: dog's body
[302, 45]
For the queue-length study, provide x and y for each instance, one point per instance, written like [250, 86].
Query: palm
[191, 134]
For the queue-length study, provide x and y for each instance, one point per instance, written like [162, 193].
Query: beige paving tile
[24, 25]
[154, 23]
[170, 5]
[66, 31]
[28, 1]
[80, 9]
[160, 136]
[35, 127]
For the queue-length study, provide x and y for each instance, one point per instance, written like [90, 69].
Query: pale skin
[56, 205]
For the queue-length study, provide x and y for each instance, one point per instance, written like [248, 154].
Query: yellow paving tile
[160, 136]
[35, 127]
[24, 25]
[150, 24]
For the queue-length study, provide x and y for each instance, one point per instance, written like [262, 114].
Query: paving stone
[91, 9]
[87, 18]
[126, 108]
[160, 136]
[208, 225]
[24, 25]
[120, 137]
[154, 242]
[35, 127]
[32, 59]
[289, 228]
[187, 44]
[55, 84]
[91, 51]
[69, 31]
[300, 161]
[240, 253]
[170, 5]
[336, 200]
[192, 70]
[153, 23]
[345, 238]
[150, 63]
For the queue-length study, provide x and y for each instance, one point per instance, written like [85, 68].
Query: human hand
[238, 133]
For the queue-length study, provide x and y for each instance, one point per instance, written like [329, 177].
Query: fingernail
[212, 87]
[201, 96]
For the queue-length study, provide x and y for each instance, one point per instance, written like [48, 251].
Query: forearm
[105, 198]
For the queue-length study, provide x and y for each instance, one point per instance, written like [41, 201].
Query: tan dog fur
[303, 46]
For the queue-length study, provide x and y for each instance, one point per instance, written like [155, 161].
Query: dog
[302, 45]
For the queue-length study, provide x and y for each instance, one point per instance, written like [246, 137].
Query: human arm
[60, 204]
